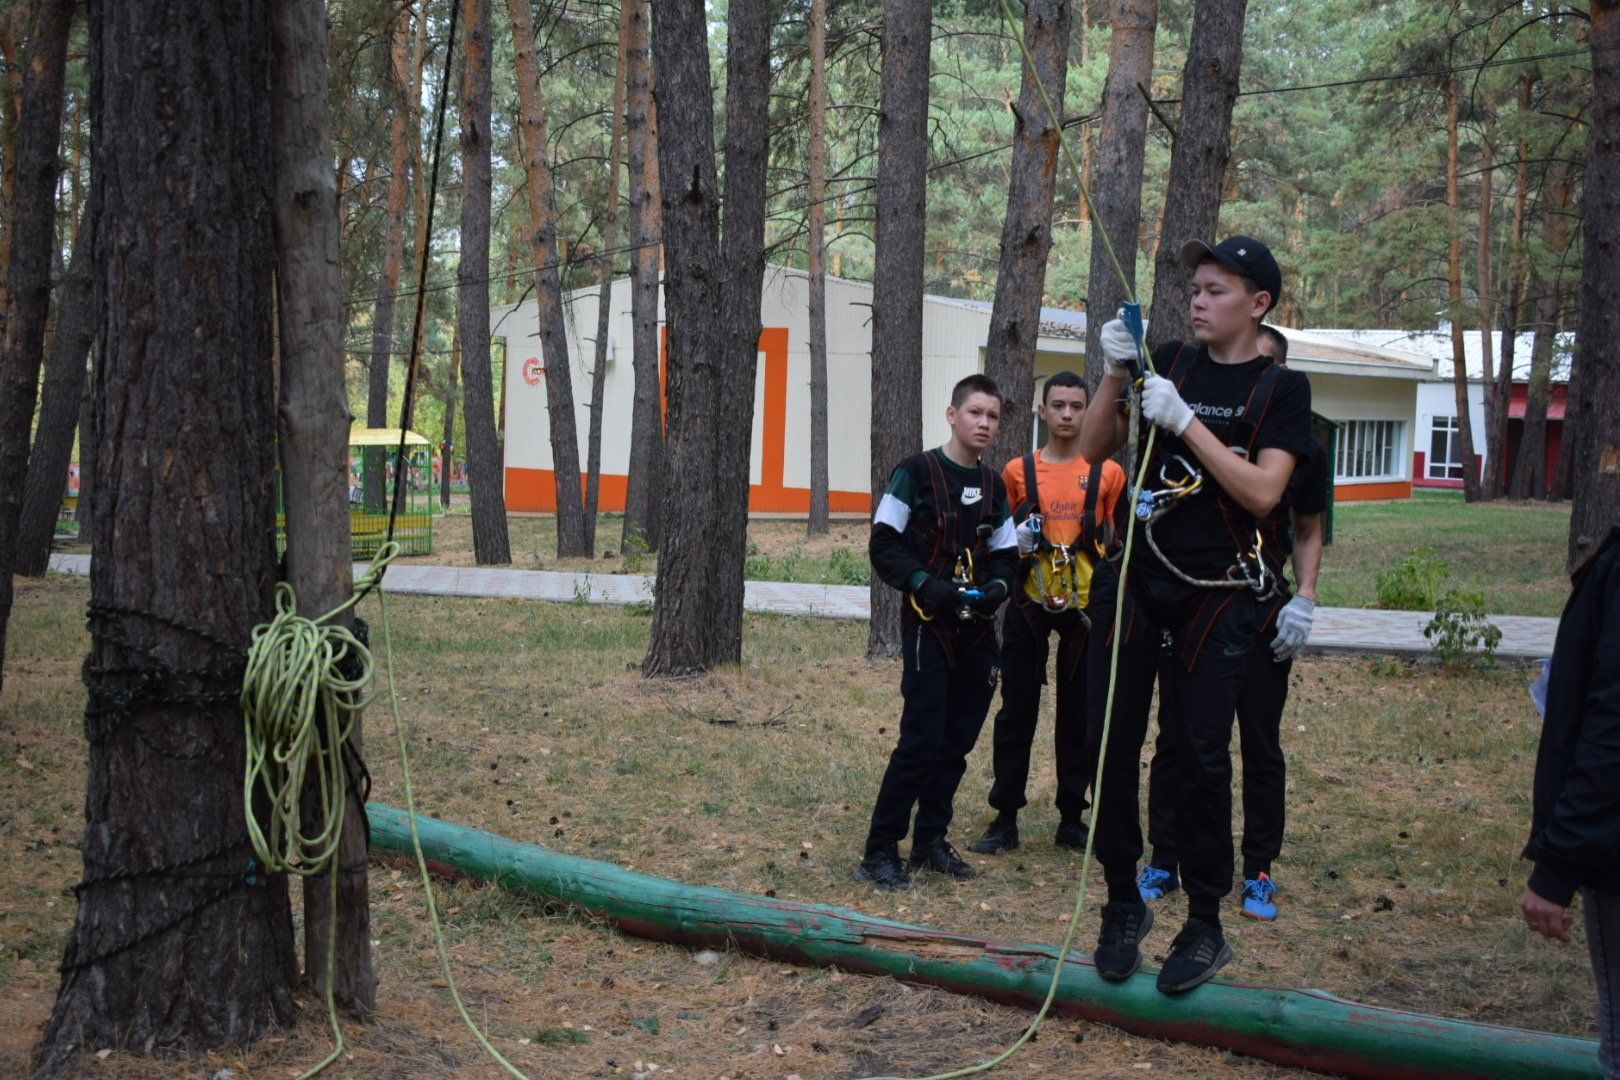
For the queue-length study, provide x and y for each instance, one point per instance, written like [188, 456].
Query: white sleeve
[1004, 537]
[893, 513]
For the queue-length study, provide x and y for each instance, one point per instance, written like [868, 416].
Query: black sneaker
[938, 856]
[1002, 835]
[1071, 834]
[882, 869]
[1198, 952]
[1119, 951]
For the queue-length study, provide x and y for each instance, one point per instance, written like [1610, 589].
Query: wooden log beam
[1307, 1029]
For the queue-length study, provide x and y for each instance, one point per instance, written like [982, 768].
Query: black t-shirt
[1306, 493]
[1245, 408]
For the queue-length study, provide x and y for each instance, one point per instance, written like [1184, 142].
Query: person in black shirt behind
[1232, 426]
[1293, 530]
[943, 536]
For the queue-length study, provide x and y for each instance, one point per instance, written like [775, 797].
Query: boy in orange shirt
[1064, 508]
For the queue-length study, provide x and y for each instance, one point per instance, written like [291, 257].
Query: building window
[1445, 455]
[1369, 450]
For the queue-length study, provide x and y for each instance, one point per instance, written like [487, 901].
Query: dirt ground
[1409, 794]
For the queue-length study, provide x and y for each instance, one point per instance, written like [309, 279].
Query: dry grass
[1409, 794]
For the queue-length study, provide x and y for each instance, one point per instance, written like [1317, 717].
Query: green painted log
[1303, 1028]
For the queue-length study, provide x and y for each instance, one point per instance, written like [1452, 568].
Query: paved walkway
[1342, 630]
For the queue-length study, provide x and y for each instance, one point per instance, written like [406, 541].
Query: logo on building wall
[533, 369]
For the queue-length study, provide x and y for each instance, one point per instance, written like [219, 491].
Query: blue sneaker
[1260, 897]
[1156, 884]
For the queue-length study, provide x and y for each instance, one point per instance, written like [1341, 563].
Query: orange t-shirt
[1062, 490]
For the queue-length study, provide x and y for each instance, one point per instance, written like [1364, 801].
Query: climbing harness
[963, 571]
[1058, 576]
[1250, 569]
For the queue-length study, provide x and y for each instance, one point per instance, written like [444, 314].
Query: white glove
[1028, 534]
[1118, 346]
[1162, 404]
[1293, 627]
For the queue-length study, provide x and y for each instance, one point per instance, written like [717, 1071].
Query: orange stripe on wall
[1397, 489]
[773, 342]
[536, 489]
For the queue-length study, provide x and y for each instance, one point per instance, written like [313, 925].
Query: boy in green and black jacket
[943, 536]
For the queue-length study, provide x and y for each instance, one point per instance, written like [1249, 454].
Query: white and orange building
[1369, 392]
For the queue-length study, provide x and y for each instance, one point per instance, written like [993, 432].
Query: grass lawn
[1512, 552]
[1409, 798]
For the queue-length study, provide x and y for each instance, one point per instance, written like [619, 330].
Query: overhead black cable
[1067, 123]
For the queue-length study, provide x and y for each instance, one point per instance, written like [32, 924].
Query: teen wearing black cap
[1232, 425]
[1291, 532]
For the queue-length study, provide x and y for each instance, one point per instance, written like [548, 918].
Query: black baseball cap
[1242, 255]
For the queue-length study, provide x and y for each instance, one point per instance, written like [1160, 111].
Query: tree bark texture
[1530, 466]
[604, 292]
[177, 945]
[1192, 198]
[82, 514]
[1499, 395]
[448, 443]
[548, 292]
[742, 256]
[1595, 465]
[1489, 487]
[313, 427]
[816, 243]
[403, 137]
[1026, 231]
[60, 399]
[1117, 168]
[13, 27]
[491, 543]
[897, 271]
[644, 494]
[28, 275]
[697, 622]
[1459, 377]
[1530, 479]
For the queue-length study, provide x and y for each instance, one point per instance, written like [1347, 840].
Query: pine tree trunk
[403, 137]
[1192, 198]
[1530, 471]
[1489, 488]
[314, 442]
[1508, 318]
[643, 507]
[742, 258]
[28, 275]
[1595, 465]
[1530, 468]
[60, 401]
[816, 242]
[178, 947]
[604, 293]
[491, 542]
[82, 513]
[1026, 231]
[897, 274]
[1117, 168]
[448, 443]
[548, 295]
[713, 349]
[1459, 379]
[13, 26]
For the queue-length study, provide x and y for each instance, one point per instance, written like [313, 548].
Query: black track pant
[1212, 634]
[1026, 630]
[1265, 772]
[944, 710]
